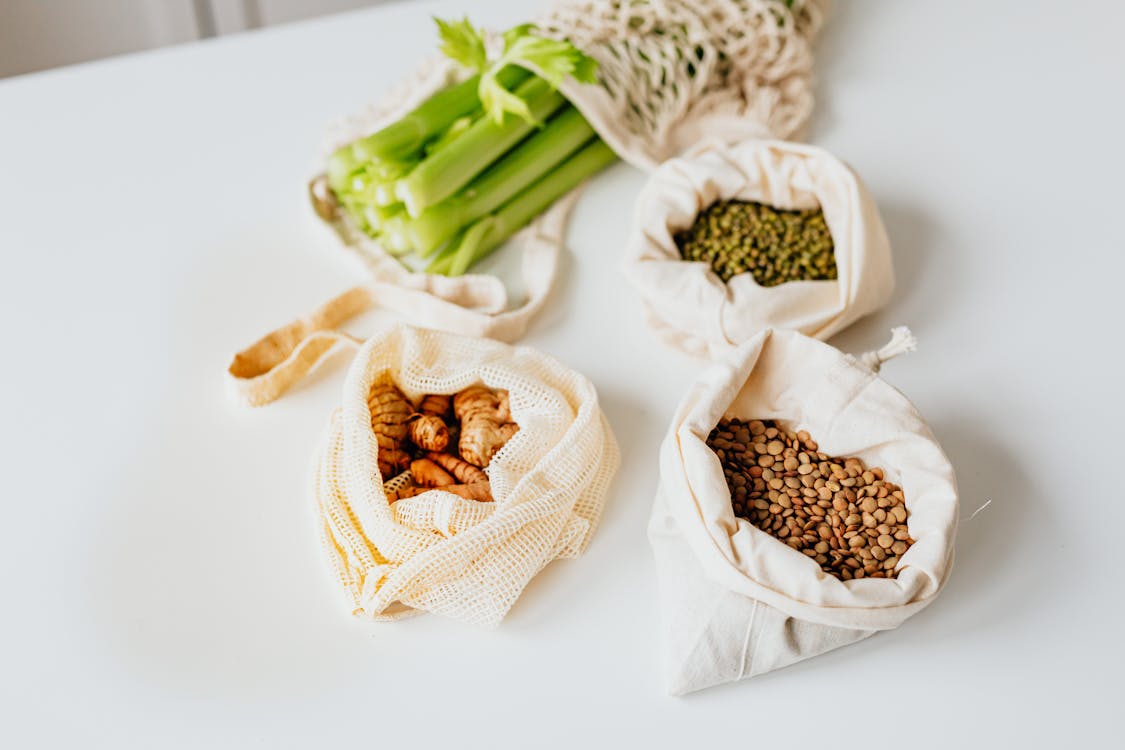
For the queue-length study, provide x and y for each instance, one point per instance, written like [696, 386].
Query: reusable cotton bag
[438, 552]
[737, 602]
[692, 309]
[669, 72]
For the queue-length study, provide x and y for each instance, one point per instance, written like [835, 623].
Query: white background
[162, 584]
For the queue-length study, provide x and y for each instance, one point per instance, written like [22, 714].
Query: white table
[162, 584]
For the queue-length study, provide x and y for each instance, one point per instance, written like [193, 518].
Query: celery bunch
[477, 161]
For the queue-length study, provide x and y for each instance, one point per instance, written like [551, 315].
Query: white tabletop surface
[161, 580]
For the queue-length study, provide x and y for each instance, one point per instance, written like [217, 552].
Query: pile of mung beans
[848, 518]
[771, 244]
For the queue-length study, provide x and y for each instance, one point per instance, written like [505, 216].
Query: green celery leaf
[496, 100]
[554, 60]
[462, 43]
[514, 33]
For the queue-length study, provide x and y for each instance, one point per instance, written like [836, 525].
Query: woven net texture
[439, 552]
[675, 71]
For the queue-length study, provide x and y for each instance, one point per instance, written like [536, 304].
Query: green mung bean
[772, 245]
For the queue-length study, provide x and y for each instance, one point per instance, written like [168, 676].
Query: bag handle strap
[270, 366]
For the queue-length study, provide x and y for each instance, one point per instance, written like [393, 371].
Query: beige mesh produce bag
[737, 602]
[674, 72]
[692, 309]
[669, 73]
[436, 551]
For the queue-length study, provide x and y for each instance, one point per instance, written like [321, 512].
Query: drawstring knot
[902, 341]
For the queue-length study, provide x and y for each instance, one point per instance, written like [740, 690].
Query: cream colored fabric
[738, 602]
[692, 309]
[266, 369]
[674, 72]
[438, 552]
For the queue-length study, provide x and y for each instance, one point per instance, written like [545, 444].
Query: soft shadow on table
[833, 61]
[913, 237]
[923, 271]
[990, 588]
[628, 416]
[921, 289]
[991, 577]
[556, 306]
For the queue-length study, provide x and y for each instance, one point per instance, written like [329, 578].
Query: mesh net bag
[738, 602]
[438, 552]
[675, 71]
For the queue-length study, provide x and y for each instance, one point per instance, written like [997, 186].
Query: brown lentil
[839, 513]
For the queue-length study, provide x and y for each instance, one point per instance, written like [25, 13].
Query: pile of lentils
[774, 245]
[846, 517]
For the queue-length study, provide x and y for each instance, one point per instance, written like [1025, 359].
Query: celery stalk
[395, 239]
[488, 233]
[449, 135]
[377, 216]
[408, 135]
[523, 165]
[447, 170]
[441, 263]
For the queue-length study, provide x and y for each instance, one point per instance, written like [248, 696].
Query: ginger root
[479, 491]
[434, 405]
[465, 472]
[428, 474]
[503, 409]
[453, 437]
[390, 411]
[392, 462]
[478, 408]
[428, 432]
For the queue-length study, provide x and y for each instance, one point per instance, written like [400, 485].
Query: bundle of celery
[477, 161]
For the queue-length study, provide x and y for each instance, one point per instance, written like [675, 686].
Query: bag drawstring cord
[902, 341]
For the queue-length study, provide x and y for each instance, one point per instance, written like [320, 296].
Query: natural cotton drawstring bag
[438, 552]
[669, 72]
[694, 310]
[736, 602]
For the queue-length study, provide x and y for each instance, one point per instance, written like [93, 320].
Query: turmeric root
[390, 412]
[434, 405]
[478, 408]
[479, 491]
[428, 474]
[508, 429]
[392, 462]
[428, 432]
[503, 409]
[465, 472]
